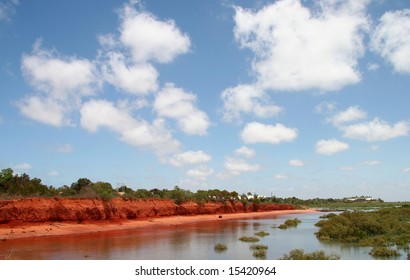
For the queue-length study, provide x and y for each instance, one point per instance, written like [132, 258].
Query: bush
[384, 251]
[258, 247]
[299, 254]
[249, 239]
[290, 223]
[262, 233]
[260, 254]
[220, 247]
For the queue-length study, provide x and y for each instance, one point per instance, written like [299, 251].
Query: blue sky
[289, 97]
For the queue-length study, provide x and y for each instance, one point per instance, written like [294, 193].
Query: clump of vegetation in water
[299, 254]
[290, 223]
[249, 239]
[408, 256]
[262, 233]
[384, 251]
[219, 247]
[258, 247]
[260, 254]
[385, 227]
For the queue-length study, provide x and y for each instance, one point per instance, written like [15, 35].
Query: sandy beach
[30, 230]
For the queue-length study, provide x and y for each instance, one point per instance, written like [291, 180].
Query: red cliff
[79, 210]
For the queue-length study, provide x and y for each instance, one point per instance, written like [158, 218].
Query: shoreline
[17, 230]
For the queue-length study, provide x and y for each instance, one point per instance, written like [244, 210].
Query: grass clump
[262, 233]
[249, 239]
[260, 254]
[290, 223]
[299, 254]
[384, 251]
[219, 247]
[258, 247]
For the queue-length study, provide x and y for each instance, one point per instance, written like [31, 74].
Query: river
[187, 242]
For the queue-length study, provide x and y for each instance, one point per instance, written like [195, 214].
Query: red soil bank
[29, 210]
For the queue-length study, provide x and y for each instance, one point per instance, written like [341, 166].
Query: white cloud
[247, 99]
[281, 176]
[235, 166]
[45, 110]
[133, 78]
[8, 9]
[245, 151]
[351, 114]
[406, 170]
[330, 147]
[391, 39]
[200, 173]
[370, 162]
[297, 49]
[59, 82]
[138, 132]
[53, 173]
[255, 132]
[376, 130]
[150, 39]
[296, 163]
[64, 148]
[59, 77]
[175, 103]
[22, 167]
[189, 158]
[325, 107]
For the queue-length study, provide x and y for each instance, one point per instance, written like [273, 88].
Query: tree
[81, 184]
[5, 176]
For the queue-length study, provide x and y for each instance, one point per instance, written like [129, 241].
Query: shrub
[262, 233]
[299, 254]
[260, 254]
[384, 251]
[258, 247]
[249, 239]
[220, 247]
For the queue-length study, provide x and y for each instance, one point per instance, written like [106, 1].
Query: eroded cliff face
[79, 210]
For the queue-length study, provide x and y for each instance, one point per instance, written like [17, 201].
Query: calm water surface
[194, 242]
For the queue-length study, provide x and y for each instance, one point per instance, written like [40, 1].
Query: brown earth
[79, 210]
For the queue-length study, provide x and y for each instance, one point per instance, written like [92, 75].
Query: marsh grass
[219, 247]
[260, 254]
[384, 251]
[262, 233]
[248, 239]
[258, 247]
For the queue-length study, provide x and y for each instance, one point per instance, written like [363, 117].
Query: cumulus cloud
[151, 39]
[127, 76]
[296, 48]
[235, 166]
[330, 147]
[101, 113]
[351, 114]
[248, 99]
[376, 130]
[391, 39]
[60, 83]
[22, 167]
[370, 162]
[189, 158]
[296, 163]
[325, 107]
[281, 176]
[200, 173]
[175, 103]
[255, 132]
[245, 151]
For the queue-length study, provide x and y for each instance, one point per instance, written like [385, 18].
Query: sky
[287, 98]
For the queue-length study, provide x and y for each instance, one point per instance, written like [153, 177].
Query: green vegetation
[299, 254]
[408, 256]
[258, 247]
[385, 227]
[260, 253]
[290, 223]
[249, 239]
[262, 233]
[384, 251]
[220, 247]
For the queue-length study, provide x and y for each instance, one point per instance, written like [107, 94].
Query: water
[193, 242]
